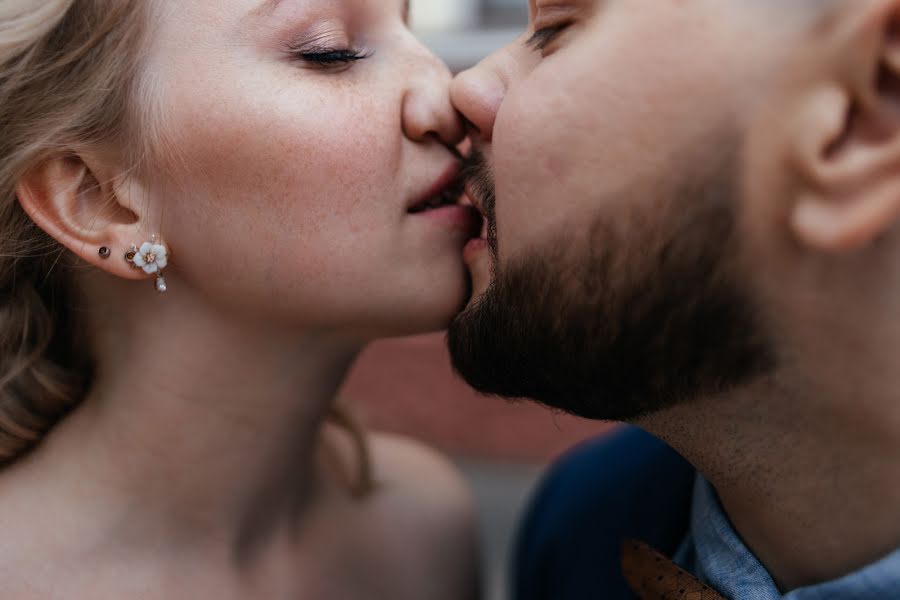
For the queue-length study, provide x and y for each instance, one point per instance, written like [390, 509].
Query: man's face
[610, 155]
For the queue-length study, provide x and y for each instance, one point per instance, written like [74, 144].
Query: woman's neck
[200, 427]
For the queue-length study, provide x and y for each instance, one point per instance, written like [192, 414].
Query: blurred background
[462, 32]
[408, 387]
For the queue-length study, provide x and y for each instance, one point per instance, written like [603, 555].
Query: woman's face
[294, 138]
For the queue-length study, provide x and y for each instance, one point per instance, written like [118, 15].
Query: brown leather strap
[653, 576]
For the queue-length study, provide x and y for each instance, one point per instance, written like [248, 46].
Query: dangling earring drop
[152, 257]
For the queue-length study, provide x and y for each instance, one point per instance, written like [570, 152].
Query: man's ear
[83, 210]
[847, 142]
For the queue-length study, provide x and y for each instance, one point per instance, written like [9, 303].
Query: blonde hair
[66, 71]
[68, 81]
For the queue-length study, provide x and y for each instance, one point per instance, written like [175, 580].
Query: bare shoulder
[419, 484]
[414, 469]
[430, 505]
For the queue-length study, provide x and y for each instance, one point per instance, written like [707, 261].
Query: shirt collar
[720, 558]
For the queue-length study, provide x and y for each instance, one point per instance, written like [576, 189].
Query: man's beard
[634, 314]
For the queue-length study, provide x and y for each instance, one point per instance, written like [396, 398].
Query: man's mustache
[477, 173]
[480, 178]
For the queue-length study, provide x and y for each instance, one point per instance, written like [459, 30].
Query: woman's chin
[432, 313]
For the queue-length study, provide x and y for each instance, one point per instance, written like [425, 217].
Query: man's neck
[813, 495]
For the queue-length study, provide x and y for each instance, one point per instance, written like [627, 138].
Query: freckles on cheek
[303, 162]
[269, 161]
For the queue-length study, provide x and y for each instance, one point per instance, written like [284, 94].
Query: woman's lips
[447, 184]
[454, 209]
[458, 216]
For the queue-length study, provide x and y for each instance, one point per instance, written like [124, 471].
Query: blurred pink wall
[407, 386]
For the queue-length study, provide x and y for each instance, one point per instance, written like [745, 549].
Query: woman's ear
[847, 142]
[84, 210]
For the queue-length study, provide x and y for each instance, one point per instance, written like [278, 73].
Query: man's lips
[473, 197]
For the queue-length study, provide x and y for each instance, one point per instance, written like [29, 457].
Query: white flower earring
[152, 257]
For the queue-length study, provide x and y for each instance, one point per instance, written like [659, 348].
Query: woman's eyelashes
[330, 58]
[327, 47]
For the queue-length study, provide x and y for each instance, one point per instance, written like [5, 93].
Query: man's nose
[477, 95]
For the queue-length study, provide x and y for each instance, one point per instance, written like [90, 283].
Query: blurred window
[504, 13]
[462, 32]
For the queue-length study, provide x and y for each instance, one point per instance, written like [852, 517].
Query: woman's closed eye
[330, 58]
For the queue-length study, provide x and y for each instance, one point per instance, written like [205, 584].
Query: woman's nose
[477, 94]
[427, 111]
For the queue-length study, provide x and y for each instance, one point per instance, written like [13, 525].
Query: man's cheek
[530, 206]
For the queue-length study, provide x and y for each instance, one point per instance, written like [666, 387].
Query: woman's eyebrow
[266, 8]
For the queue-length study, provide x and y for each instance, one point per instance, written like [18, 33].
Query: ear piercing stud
[151, 257]
[105, 253]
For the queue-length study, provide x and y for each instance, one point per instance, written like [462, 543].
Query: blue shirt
[715, 553]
